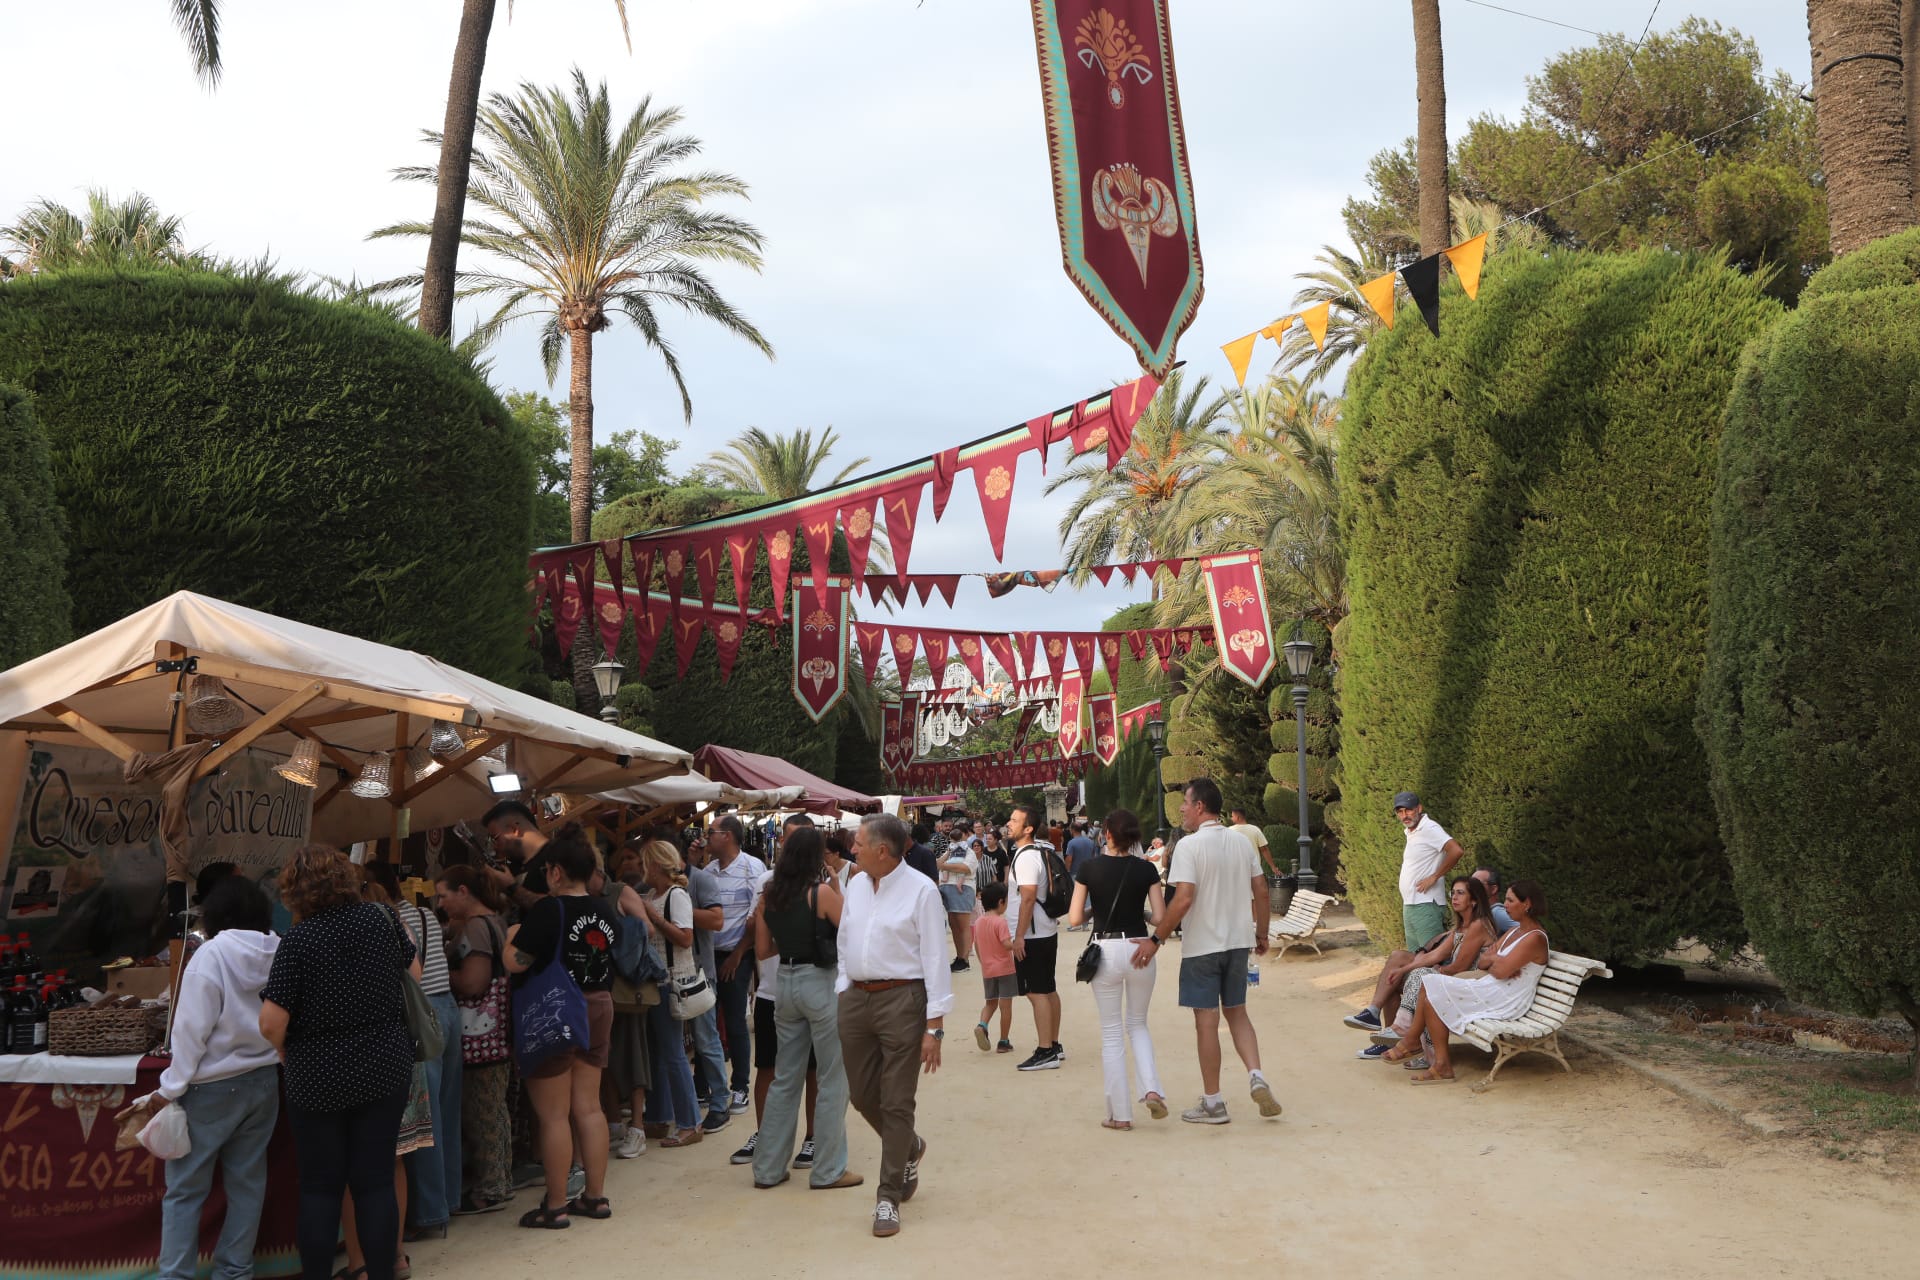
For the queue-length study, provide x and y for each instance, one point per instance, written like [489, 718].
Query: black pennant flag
[1423, 286]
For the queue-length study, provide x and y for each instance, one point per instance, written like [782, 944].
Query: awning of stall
[115, 690]
[752, 771]
[691, 788]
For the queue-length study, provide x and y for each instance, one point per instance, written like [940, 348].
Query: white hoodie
[216, 1026]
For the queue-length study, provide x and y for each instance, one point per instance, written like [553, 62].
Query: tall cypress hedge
[1811, 704]
[33, 544]
[1526, 501]
[314, 459]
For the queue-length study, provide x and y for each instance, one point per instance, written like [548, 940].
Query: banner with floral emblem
[889, 735]
[1106, 732]
[1122, 192]
[1241, 626]
[1073, 685]
[820, 647]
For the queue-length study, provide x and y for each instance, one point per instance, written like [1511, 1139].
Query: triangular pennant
[1173, 567]
[611, 615]
[1125, 408]
[935, 644]
[816, 531]
[1278, 328]
[902, 511]
[994, 475]
[1423, 286]
[612, 551]
[1037, 436]
[649, 616]
[856, 521]
[1467, 257]
[1110, 654]
[686, 637]
[779, 561]
[1162, 646]
[643, 553]
[1316, 320]
[945, 464]
[1104, 572]
[1379, 295]
[729, 629]
[740, 556]
[706, 567]
[948, 584]
[902, 642]
[924, 585]
[870, 637]
[974, 654]
[1001, 647]
[1026, 642]
[583, 577]
[1127, 571]
[1239, 354]
[1056, 648]
[1083, 645]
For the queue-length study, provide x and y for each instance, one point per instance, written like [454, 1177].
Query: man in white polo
[1429, 855]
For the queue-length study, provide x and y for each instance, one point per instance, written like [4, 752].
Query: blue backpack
[633, 959]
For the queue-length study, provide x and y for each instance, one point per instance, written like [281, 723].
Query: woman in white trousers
[1120, 893]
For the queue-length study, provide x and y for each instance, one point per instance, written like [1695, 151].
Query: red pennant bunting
[902, 511]
[1056, 650]
[610, 615]
[945, 464]
[1072, 686]
[1001, 647]
[649, 616]
[1105, 574]
[674, 564]
[1110, 655]
[994, 474]
[1083, 645]
[820, 650]
[1106, 734]
[1237, 596]
[1124, 410]
[870, 636]
[974, 654]
[706, 566]
[740, 556]
[729, 629]
[1162, 646]
[1038, 438]
[903, 641]
[856, 521]
[816, 534]
[779, 562]
[610, 551]
[935, 643]
[686, 637]
[643, 553]
[1137, 642]
[1026, 641]
[567, 612]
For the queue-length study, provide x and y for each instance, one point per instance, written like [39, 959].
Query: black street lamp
[606, 678]
[1300, 661]
[1157, 739]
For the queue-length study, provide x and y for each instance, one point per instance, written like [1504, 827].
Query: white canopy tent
[115, 690]
[691, 788]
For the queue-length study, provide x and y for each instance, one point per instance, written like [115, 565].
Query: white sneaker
[632, 1145]
[1204, 1114]
[1262, 1093]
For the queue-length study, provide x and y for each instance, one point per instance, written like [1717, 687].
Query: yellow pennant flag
[1239, 353]
[1379, 295]
[1467, 258]
[1278, 327]
[1315, 318]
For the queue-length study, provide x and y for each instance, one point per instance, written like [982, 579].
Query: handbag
[1088, 966]
[549, 1011]
[826, 934]
[688, 994]
[483, 1018]
[423, 1024]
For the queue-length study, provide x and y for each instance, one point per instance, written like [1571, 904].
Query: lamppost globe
[1299, 657]
[606, 678]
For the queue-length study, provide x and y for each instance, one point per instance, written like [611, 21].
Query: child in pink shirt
[993, 943]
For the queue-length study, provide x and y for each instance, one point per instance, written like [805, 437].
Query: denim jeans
[713, 1060]
[230, 1122]
[671, 1098]
[734, 993]
[807, 1014]
[435, 1172]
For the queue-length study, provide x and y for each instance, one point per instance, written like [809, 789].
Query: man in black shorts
[1036, 941]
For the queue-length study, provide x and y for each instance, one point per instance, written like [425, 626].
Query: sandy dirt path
[1594, 1174]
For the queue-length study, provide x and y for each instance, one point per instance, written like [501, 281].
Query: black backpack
[1059, 895]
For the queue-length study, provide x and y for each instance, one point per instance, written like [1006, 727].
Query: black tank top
[792, 928]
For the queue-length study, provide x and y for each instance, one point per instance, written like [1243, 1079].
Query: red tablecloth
[73, 1207]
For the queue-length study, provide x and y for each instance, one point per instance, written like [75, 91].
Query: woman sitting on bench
[1449, 1004]
[1453, 952]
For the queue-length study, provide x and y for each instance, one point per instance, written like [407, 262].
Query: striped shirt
[423, 930]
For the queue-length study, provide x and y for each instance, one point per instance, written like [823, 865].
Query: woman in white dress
[1451, 1004]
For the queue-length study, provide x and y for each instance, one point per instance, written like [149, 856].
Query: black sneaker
[1032, 1061]
[1365, 1020]
[745, 1154]
[1048, 1059]
[958, 966]
[805, 1159]
[716, 1121]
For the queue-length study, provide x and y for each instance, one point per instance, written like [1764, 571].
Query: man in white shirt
[738, 874]
[895, 991]
[1256, 836]
[1220, 906]
[1429, 855]
[1036, 940]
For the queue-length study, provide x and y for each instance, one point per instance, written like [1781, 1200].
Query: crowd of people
[573, 1002]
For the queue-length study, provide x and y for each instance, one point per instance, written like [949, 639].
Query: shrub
[1808, 704]
[33, 545]
[313, 459]
[1525, 501]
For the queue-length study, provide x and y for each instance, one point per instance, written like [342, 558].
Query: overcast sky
[897, 159]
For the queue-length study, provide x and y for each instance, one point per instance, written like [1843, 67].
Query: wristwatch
[1155, 939]
[938, 1033]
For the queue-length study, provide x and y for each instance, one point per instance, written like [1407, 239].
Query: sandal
[1416, 1063]
[1122, 1125]
[1156, 1106]
[684, 1138]
[546, 1219]
[1428, 1077]
[1398, 1053]
[597, 1207]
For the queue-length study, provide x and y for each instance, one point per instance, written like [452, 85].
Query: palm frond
[199, 22]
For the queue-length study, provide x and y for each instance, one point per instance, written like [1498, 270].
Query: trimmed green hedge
[313, 459]
[1810, 707]
[1525, 501]
[33, 541]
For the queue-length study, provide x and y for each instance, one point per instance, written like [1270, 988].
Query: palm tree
[1859, 120]
[1118, 513]
[199, 22]
[1350, 321]
[584, 224]
[131, 232]
[1431, 86]
[779, 466]
[456, 149]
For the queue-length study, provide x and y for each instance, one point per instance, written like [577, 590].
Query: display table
[72, 1206]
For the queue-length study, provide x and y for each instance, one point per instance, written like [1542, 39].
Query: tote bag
[483, 1018]
[423, 1024]
[549, 1013]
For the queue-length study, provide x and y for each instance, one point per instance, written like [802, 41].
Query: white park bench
[1302, 921]
[1538, 1029]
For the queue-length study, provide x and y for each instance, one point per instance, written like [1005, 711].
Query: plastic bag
[166, 1134]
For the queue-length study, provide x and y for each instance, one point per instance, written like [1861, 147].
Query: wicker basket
[113, 1027]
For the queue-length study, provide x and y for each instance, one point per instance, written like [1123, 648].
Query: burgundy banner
[889, 735]
[1238, 597]
[1072, 685]
[1133, 719]
[1106, 734]
[994, 475]
[611, 614]
[820, 649]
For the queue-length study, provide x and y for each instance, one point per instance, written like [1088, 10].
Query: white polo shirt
[1426, 850]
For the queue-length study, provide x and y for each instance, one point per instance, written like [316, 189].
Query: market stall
[749, 769]
[197, 731]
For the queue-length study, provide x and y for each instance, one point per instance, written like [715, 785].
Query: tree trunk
[456, 150]
[580, 500]
[1910, 74]
[1431, 82]
[1860, 119]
